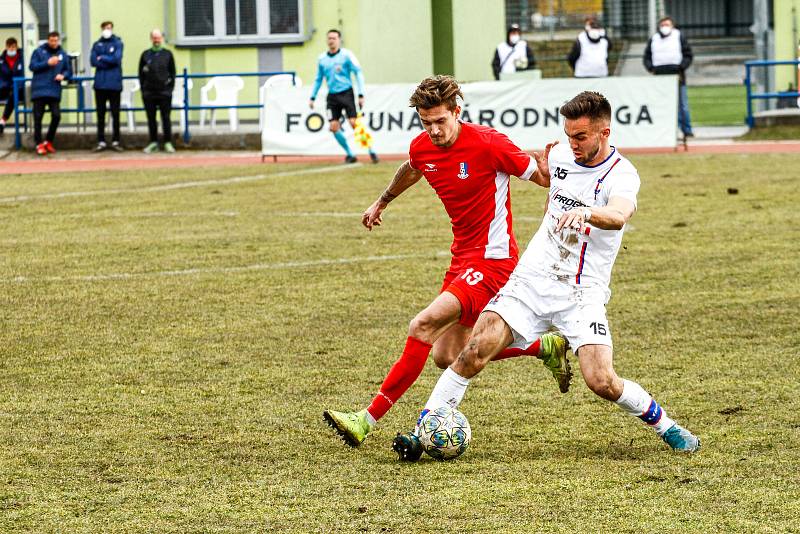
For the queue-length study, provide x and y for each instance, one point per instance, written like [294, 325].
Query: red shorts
[475, 282]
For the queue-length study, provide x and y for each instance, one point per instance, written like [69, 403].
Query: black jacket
[157, 73]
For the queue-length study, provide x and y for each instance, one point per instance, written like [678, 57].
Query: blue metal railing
[20, 109]
[748, 65]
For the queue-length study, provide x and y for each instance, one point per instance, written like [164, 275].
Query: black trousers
[39, 106]
[163, 104]
[103, 97]
[7, 94]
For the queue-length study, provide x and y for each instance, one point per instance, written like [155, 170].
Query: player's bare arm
[405, 177]
[542, 174]
[612, 216]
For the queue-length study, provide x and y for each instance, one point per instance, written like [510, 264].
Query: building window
[284, 17]
[241, 17]
[199, 18]
[220, 22]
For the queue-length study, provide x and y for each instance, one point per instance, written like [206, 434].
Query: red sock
[403, 373]
[533, 350]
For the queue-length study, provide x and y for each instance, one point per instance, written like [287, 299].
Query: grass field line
[152, 214]
[219, 270]
[173, 186]
[337, 214]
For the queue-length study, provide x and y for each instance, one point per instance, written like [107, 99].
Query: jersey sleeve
[318, 79]
[355, 67]
[510, 159]
[559, 154]
[624, 184]
[412, 155]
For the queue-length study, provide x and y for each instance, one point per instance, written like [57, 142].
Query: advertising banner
[644, 114]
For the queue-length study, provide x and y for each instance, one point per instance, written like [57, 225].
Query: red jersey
[471, 177]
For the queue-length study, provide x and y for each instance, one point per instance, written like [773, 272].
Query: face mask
[514, 39]
[595, 34]
[665, 30]
[11, 53]
[107, 34]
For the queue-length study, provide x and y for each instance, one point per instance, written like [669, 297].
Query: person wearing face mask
[50, 67]
[513, 54]
[157, 78]
[589, 55]
[107, 61]
[10, 67]
[106, 58]
[668, 52]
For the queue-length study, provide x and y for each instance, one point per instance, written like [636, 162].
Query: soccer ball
[444, 432]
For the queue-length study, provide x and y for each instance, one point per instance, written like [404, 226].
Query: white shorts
[532, 304]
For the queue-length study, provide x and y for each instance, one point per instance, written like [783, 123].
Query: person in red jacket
[10, 67]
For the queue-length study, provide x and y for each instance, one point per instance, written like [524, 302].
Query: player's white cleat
[681, 439]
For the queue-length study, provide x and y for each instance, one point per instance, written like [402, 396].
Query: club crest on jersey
[462, 168]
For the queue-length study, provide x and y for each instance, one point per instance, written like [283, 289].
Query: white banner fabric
[644, 114]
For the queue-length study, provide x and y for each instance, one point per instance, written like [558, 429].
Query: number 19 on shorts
[472, 276]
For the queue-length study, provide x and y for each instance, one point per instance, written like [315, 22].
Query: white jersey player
[574, 263]
[562, 278]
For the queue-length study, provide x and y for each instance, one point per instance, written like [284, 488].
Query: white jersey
[583, 259]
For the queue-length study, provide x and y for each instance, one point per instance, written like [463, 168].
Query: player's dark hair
[106, 23]
[12, 41]
[334, 30]
[665, 19]
[53, 34]
[436, 91]
[589, 104]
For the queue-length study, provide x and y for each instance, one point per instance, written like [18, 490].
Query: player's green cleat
[681, 439]
[554, 356]
[352, 426]
[407, 446]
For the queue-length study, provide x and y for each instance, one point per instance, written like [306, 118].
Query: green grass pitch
[166, 354]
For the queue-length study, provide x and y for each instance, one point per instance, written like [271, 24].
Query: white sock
[449, 390]
[638, 403]
[371, 420]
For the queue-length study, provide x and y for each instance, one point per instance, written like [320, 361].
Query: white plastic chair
[129, 87]
[87, 116]
[178, 102]
[279, 80]
[226, 89]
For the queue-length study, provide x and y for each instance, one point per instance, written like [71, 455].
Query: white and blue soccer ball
[444, 433]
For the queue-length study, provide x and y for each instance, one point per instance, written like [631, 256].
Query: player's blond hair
[589, 104]
[436, 91]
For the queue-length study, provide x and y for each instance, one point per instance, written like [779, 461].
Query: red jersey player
[468, 166]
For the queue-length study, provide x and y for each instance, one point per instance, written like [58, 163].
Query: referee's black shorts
[341, 102]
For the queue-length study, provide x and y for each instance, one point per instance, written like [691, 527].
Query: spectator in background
[50, 67]
[10, 67]
[107, 61]
[513, 54]
[668, 52]
[589, 55]
[157, 78]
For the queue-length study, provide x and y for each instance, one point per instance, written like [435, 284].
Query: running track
[82, 162]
